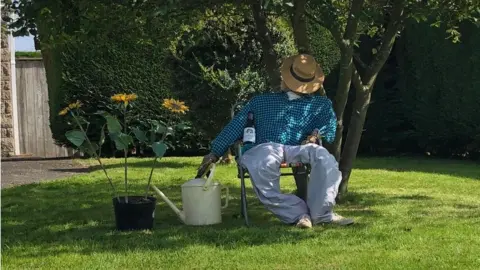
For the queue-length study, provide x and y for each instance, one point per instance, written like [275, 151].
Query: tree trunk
[269, 55]
[346, 44]
[341, 97]
[355, 129]
[299, 26]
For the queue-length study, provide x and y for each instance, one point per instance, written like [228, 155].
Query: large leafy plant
[120, 133]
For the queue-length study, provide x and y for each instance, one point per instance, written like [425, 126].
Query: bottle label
[249, 135]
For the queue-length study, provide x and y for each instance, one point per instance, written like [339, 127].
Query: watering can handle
[210, 177]
[226, 197]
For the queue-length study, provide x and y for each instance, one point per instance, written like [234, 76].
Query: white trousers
[263, 164]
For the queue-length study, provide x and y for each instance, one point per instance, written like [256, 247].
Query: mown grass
[410, 214]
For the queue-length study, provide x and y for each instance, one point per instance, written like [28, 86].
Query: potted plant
[132, 212]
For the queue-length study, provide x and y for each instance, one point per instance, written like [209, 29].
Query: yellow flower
[131, 97]
[71, 106]
[118, 97]
[125, 98]
[175, 106]
[64, 111]
[75, 105]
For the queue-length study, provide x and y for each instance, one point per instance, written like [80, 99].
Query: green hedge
[223, 67]
[325, 49]
[426, 97]
[21, 54]
[442, 86]
[97, 59]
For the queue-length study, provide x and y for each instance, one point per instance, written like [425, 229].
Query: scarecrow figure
[284, 122]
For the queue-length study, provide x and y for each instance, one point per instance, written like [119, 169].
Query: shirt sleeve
[327, 123]
[232, 131]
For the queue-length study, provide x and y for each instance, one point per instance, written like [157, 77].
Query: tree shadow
[457, 168]
[136, 164]
[65, 216]
[59, 217]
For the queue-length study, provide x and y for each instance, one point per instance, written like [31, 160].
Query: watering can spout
[175, 209]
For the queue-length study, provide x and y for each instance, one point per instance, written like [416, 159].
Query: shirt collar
[293, 96]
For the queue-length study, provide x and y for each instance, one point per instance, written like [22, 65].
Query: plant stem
[150, 178]
[126, 184]
[96, 156]
[155, 160]
[125, 152]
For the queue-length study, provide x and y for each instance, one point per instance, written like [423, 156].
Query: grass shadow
[60, 217]
[77, 214]
[119, 164]
[464, 169]
[65, 216]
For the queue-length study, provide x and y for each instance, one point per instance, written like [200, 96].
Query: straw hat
[302, 74]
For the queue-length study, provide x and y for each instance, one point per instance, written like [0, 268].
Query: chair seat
[291, 165]
[288, 165]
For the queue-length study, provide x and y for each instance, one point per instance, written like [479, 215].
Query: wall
[35, 136]
[7, 141]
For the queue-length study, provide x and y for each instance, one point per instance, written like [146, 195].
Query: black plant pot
[137, 214]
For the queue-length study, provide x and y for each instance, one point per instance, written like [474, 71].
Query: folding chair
[300, 171]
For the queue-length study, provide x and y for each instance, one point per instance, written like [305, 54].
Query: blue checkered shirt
[280, 120]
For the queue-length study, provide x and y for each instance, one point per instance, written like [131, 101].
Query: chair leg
[243, 196]
[301, 181]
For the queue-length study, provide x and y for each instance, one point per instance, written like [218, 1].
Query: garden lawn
[410, 214]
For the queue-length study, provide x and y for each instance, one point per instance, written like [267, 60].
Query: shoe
[339, 220]
[304, 222]
[342, 221]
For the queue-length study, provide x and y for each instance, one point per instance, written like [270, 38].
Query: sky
[24, 44]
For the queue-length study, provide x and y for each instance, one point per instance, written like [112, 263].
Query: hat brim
[298, 86]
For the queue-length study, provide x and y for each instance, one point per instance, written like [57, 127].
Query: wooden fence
[33, 111]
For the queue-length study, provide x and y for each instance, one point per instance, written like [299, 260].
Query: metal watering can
[201, 201]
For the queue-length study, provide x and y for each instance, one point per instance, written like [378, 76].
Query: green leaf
[82, 120]
[183, 127]
[76, 137]
[152, 137]
[290, 4]
[89, 149]
[122, 140]
[159, 148]
[102, 136]
[158, 127]
[170, 146]
[113, 124]
[140, 135]
[265, 4]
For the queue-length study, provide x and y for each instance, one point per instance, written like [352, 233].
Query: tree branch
[300, 27]
[359, 61]
[353, 18]
[357, 80]
[394, 25]
[269, 54]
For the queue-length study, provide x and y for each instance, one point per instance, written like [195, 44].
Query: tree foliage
[383, 21]
[224, 50]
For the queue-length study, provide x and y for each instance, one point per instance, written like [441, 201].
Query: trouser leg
[263, 164]
[325, 178]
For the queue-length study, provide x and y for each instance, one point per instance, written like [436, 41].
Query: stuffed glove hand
[310, 139]
[207, 161]
[313, 138]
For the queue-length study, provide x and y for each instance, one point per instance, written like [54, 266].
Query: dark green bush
[223, 67]
[325, 49]
[426, 96]
[442, 82]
